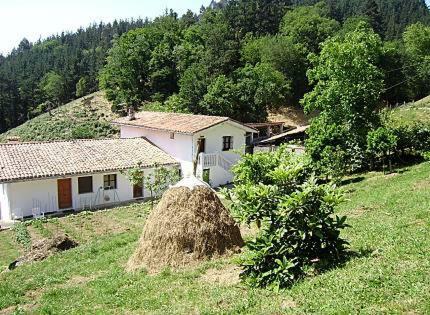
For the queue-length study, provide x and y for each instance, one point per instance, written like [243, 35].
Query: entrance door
[65, 193]
[201, 145]
[137, 191]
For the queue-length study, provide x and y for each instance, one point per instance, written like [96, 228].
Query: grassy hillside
[87, 117]
[390, 274]
[418, 112]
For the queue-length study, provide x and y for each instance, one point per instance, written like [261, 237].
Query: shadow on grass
[352, 180]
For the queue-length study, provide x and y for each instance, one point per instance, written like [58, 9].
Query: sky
[34, 19]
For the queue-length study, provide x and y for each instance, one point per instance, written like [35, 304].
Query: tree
[283, 55]
[53, 87]
[381, 144]
[417, 45]
[126, 76]
[309, 26]
[299, 232]
[371, 10]
[248, 96]
[82, 87]
[348, 86]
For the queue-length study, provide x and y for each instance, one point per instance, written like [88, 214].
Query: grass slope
[87, 117]
[390, 218]
[418, 112]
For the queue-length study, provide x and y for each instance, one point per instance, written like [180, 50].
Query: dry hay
[188, 225]
[44, 248]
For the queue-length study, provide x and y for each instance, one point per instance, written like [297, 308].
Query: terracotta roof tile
[174, 122]
[23, 161]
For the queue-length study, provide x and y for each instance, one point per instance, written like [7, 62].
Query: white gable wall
[181, 147]
[214, 144]
[184, 147]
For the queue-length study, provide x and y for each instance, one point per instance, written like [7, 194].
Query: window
[109, 182]
[227, 143]
[85, 185]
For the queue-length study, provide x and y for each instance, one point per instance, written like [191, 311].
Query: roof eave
[35, 178]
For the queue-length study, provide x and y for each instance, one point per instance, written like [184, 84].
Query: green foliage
[332, 149]
[299, 232]
[53, 87]
[381, 144]
[348, 86]
[22, 236]
[417, 46]
[248, 96]
[309, 26]
[283, 55]
[82, 87]
[159, 181]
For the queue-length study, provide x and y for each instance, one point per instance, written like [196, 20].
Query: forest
[238, 58]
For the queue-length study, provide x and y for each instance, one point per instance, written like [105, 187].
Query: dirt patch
[189, 225]
[358, 212]
[288, 304]
[422, 184]
[44, 248]
[7, 311]
[226, 276]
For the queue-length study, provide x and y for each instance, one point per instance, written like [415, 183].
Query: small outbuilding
[47, 177]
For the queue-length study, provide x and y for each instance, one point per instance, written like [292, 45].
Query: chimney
[131, 113]
[13, 139]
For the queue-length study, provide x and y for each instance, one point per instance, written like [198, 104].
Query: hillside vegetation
[388, 275]
[88, 117]
[417, 112]
[237, 59]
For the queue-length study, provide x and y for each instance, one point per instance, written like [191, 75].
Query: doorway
[138, 191]
[65, 193]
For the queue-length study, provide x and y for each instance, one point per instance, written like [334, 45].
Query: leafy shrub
[413, 140]
[381, 144]
[333, 149]
[299, 232]
[22, 236]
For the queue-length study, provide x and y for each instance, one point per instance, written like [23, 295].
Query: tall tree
[348, 86]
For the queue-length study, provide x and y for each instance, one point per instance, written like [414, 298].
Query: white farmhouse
[211, 144]
[47, 177]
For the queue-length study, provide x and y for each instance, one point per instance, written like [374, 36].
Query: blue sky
[39, 18]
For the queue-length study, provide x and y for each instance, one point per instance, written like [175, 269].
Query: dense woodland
[237, 58]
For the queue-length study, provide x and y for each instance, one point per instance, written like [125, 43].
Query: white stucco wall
[184, 147]
[4, 203]
[24, 196]
[181, 147]
[214, 144]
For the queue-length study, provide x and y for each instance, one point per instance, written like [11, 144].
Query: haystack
[189, 225]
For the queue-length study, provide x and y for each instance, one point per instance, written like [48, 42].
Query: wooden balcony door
[65, 193]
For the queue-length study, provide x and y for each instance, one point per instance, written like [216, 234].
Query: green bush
[22, 236]
[299, 232]
[381, 144]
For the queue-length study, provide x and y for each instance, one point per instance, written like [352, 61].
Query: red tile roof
[173, 122]
[37, 160]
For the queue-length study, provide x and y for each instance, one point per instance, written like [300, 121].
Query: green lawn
[390, 218]
[418, 112]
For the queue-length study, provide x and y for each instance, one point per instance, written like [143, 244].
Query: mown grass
[390, 218]
[87, 117]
